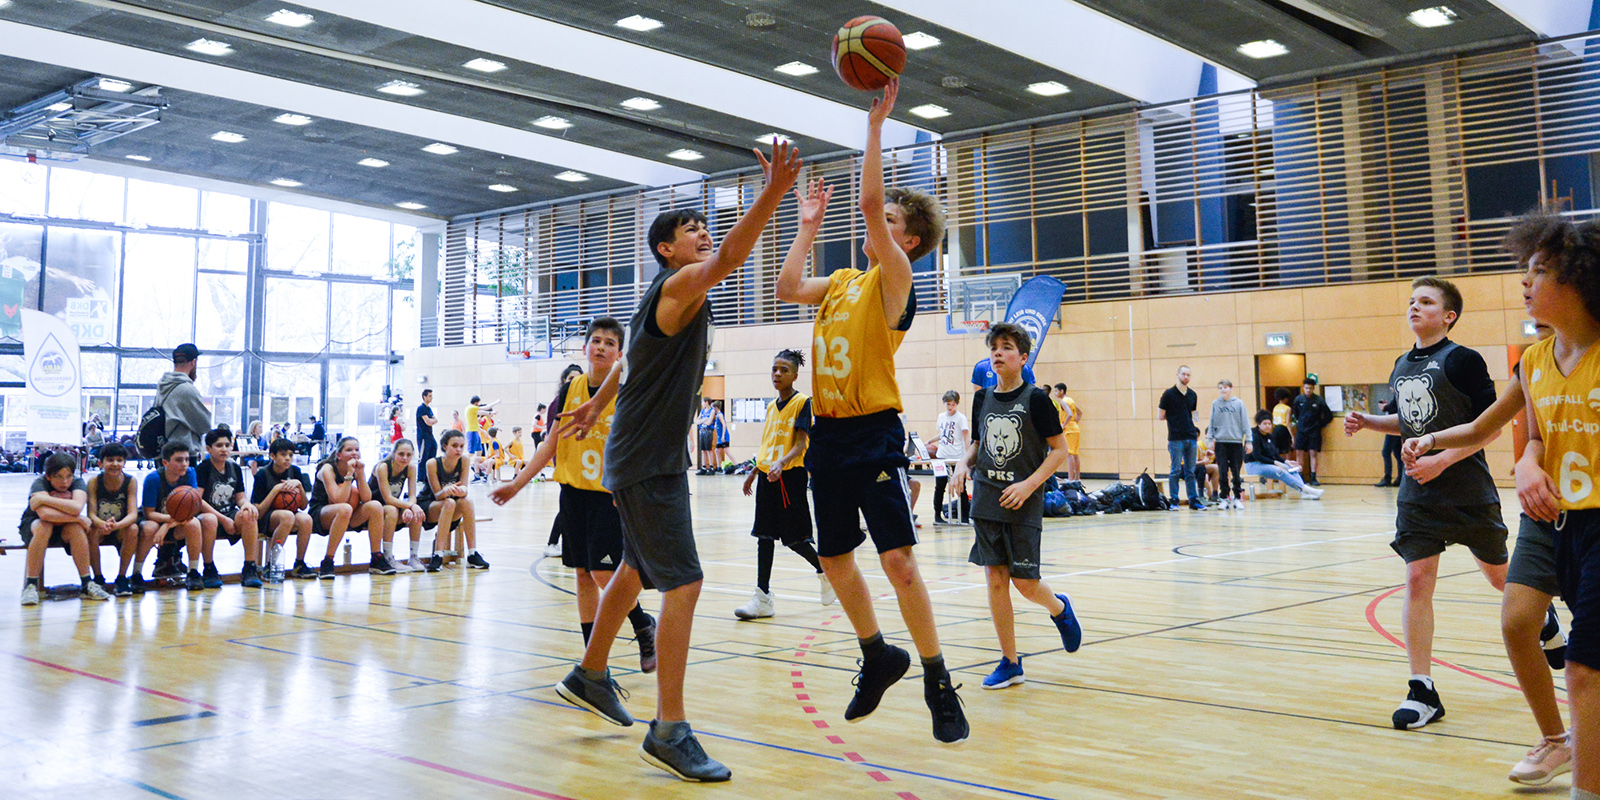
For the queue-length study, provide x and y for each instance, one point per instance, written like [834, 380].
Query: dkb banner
[1033, 308]
[55, 403]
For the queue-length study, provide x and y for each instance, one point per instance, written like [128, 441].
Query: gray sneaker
[598, 696]
[94, 591]
[682, 757]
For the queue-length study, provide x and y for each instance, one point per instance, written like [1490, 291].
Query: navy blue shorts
[843, 497]
[1578, 571]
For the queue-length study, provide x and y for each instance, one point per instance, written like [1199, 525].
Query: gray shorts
[1422, 531]
[1533, 563]
[1006, 544]
[657, 534]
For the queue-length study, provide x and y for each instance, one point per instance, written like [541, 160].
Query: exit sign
[1277, 340]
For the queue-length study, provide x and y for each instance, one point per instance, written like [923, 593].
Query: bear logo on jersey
[221, 495]
[1002, 437]
[1417, 403]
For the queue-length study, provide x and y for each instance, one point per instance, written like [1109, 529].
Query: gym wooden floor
[1242, 654]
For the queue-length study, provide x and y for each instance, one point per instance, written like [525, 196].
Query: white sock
[416, 548]
[1427, 680]
[472, 552]
[388, 549]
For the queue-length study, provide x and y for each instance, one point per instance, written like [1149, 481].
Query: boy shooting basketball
[857, 458]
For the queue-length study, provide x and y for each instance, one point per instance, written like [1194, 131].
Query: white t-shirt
[953, 433]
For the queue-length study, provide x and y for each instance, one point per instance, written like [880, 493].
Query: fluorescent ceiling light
[917, 40]
[227, 137]
[137, 158]
[1048, 88]
[4, 3]
[931, 111]
[290, 19]
[207, 47]
[401, 89]
[773, 138]
[286, 183]
[502, 187]
[640, 104]
[440, 149]
[114, 85]
[571, 176]
[484, 65]
[1435, 17]
[686, 155]
[795, 68]
[639, 23]
[372, 162]
[553, 123]
[292, 119]
[410, 206]
[61, 106]
[1264, 48]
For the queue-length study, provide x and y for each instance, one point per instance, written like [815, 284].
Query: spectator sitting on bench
[114, 515]
[55, 516]
[158, 527]
[1262, 461]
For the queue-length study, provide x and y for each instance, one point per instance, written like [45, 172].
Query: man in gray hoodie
[188, 419]
[1228, 428]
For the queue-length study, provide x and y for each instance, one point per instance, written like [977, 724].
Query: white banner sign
[55, 380]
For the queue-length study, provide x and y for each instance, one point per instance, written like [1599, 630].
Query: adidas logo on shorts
[883, 476]
[606, 560]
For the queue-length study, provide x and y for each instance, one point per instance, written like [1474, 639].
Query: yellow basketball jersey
[852, 355]
[1069, 410]
[777, 434]
[1567, 410]
[579, 462]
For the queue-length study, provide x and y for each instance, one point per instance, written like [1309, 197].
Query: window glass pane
[296, 315]
[162, 205]
[220, 380]
[290, 387]
[297, 238]
[407, 249]
[99, 371]
[224, 254]
[85, 195]
[354, 391]
[359, 318]
[158, 291]
[219, 322]
[403, 321]
[11, 370]
[224, 213]
[80, 283]
[19, 274]
[22, 187]
[360, 246]
[144, 370]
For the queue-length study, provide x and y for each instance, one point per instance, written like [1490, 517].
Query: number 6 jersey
[1567, 412]
[852, 355]
[581, 462]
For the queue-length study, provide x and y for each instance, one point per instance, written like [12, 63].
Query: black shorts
[1422, 531]
[1006, 544]
[428, 526]
[781, 509]
[1308, 439]
[222, 533]
[114, 538]
[1533, 562]
[591, 530]
[1282, 439]
[705, 439]
[881, 495]
[657, 532]
[26, 529]
[316, 523]
[1578, 570]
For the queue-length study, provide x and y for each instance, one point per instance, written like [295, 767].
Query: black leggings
[1230, 458]
[939, 485]
[766, 548]
[1391, 449]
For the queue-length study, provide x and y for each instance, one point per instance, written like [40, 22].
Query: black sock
[873, 646]
[36, 582]
[764, 553]
[939, 498]
[555, 533]
[933, 672]
[809, 553]
[588, 628]
[639, 618]
[86, 579]
[966, 507]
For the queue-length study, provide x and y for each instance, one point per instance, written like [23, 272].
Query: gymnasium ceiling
[709, 66]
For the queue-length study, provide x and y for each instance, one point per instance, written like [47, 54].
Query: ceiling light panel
[209, 47]
[373, 162]
[286, 183]
[290, 19]
[571, 177]
[639, 23]
[796, 68]
[113, 85]
[773, 138]
[553, 123]
[441, 149]
[61, 106]
[410, 206]
[292, 119]
[402, 89]
[227, 137]
[484, 65]
[917, 40]
[137, 158]
[1049, 88]
[686, 155]
[640, 104]
[1435, 17]
[1264, 48]
[502, 187]
[931, 111]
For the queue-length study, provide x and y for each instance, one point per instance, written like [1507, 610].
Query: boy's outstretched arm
[793, 285]
[695, 280]
[896, 267]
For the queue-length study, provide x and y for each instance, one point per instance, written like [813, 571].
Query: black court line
[145, 723]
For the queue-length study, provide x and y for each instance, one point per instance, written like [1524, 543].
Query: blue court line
[144, 723]
[147, 787]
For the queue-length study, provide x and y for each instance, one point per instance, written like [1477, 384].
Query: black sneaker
[249, 576]
[1313, 481]
[435, 562]
[1553, 640]
[875, 678]
[326, 571]
[303, 571]
[475, 561]
[949, 722]
[647, 647]
[682, 757]
[1421, 706]
[211, 577]
[136, 583]
[122, 588]
[195, 583]
[380, 565]
[597, 696]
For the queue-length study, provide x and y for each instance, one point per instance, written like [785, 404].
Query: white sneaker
[96, 592]
[828, 597]
[760, 605]
[30, 595]
[400, 565]
[1311, 493]
[415, 563]
[552, 551]
[1238, 502]
[1549, 758]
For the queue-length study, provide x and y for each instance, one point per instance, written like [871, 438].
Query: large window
[85, 195]
[158, 291]
[81, 281]
[360, 246]
[162, 205]
[297, 239]
[296, 315]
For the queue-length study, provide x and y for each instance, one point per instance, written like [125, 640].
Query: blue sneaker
[1067, 623]
[1008, 673]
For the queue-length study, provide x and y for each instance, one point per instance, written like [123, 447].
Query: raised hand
[784, 167]
[814, 203]
[882, 106]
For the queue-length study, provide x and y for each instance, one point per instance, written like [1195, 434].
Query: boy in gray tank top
[1446, 497]
[1017, 444]
[655, 408]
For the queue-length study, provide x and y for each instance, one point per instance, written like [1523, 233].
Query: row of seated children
[82, 516]
[496, 455]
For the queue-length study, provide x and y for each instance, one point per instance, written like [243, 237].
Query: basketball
[291, 497]
[183, 503]
[868, 52]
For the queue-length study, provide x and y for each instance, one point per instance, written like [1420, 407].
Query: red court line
[472, 776]
[1372, 619]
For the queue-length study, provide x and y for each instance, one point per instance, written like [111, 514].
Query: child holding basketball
[394, 483]
[857, 458]
[592, 530]
[279, 498]
[341, 501]
[223, 510]
[54, 515]
[666, 361]
[114, 514]
[780, 486]
[158, 526]
[444, 498]
[1017, 444]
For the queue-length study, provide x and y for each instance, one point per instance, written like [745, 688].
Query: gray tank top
[1430, 403]
[1009, 450]
[659, 397]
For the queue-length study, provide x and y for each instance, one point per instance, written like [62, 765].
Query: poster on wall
[54, 372]
[302, 411]
[127, 413]
[100, 408]
[335, 412]
[20, 249]
[81, 282]
[280, 411]
[224, 411]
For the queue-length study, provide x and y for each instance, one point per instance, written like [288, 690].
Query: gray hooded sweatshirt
[188, 419]
[1228, 421]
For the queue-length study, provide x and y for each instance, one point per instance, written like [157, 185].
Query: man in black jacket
[1310, 414]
